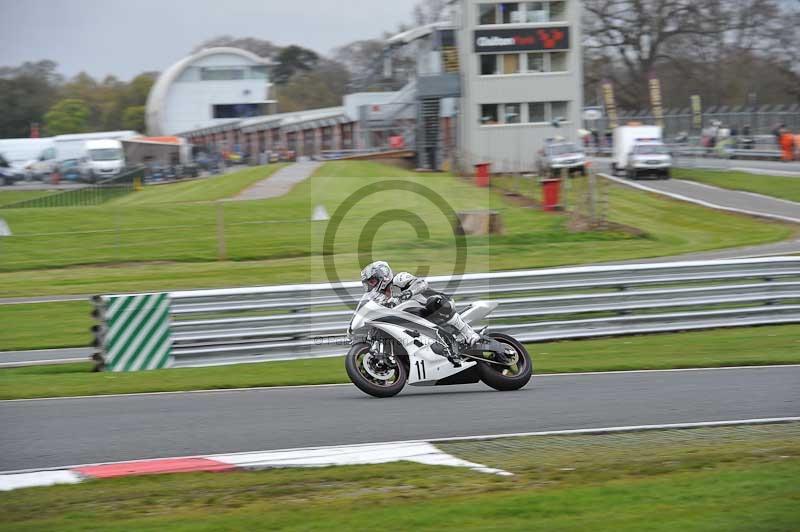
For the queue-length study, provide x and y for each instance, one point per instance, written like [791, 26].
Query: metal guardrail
[218, 327]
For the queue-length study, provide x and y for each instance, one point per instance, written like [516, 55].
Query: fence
[130, 229]
[89, 195]
[761, 120]
[242, 325]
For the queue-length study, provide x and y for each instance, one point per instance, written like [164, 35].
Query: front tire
[501, 377]
[354, 365]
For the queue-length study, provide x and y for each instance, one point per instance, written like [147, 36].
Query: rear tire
[492, 375]
[351, 365]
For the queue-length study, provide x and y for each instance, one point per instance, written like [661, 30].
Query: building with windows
[521, 71]
[210, 87]
[491, 81]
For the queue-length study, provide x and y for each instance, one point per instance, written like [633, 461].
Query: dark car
[70, 170]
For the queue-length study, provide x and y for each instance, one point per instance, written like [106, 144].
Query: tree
[26, 93]
[134, 118]
[635, 37]
[364, 60]
[67, 116]
[260, 47]
[787, 49]
[139, 88]
[429, 11]
[291, 60]
[322, 87]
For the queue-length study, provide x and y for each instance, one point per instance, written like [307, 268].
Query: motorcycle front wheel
[371, 375]
[507, 378]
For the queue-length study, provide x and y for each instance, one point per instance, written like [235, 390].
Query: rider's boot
[441, 348]
[466, 333]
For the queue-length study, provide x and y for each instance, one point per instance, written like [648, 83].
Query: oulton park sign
[522, 40]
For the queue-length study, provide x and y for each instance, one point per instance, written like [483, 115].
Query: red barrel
[551, 189]
[482, 174]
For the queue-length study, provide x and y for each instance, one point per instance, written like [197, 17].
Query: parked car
[71, 170]
[559, 155]
[188, 170]
[8, 174]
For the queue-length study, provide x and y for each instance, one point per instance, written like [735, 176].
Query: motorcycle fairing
[425, 367]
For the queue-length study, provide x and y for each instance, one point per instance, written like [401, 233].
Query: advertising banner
[611, 104]
[521, 40]
[655, 100]
[697, 111]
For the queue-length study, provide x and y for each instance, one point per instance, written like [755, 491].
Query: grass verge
[731, 347]
[782, 187]
[8, 197]
[45, 325]
[704, 479]
[270, 248]
[206, 189]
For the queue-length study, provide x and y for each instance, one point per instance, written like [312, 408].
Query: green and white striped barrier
[134, 332]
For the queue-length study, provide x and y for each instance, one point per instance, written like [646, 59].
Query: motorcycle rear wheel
[505, 378]
[354, 365]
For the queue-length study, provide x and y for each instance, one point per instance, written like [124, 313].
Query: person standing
[787, 145]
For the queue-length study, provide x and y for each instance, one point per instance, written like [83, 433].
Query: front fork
[383, 347]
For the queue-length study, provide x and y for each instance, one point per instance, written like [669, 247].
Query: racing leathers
[438, 307]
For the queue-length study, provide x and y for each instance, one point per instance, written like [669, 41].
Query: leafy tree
[133, 118]
[139, 88]
[67, 116]
[260, 47]
[291, 60]
[26, 93]
[322, 87]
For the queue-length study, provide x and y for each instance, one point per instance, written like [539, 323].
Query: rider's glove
[392, 302]
[405, 295]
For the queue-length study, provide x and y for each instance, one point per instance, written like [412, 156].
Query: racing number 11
[421, 369]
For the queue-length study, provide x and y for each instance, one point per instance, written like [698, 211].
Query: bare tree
[429, 11]
[634, 37]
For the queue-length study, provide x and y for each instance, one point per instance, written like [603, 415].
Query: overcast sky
[126, 37]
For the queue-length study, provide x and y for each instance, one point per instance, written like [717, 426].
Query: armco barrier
[240, 325]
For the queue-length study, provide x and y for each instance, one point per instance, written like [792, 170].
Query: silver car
[557, 157]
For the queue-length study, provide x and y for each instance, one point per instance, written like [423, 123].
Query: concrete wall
[513, 147]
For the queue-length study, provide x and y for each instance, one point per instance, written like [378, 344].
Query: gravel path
[281, 182]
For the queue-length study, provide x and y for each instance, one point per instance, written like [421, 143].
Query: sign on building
[521, 40]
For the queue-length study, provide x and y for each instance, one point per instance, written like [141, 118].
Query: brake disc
[368, 363]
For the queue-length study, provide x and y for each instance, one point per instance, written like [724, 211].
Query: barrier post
[133, 332]
[221, 247]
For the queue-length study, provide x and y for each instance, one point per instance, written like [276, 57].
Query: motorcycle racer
[378, 277]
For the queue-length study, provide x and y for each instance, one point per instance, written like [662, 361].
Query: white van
[103, 159]
[638, 150]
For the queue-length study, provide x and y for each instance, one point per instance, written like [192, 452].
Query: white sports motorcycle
[394, 346]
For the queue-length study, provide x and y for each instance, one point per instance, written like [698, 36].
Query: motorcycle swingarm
[488, 345]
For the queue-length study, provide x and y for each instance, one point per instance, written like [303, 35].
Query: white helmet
[376, 276]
